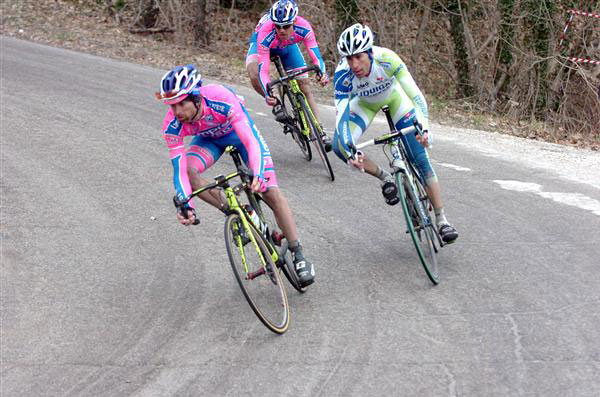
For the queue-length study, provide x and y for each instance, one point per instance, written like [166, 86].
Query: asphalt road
[99, 299]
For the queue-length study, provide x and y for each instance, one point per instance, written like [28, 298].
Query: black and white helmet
[357, 38]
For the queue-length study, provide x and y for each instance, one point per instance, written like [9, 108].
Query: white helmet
[357, 38]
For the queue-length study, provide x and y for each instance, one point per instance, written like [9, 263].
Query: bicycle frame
[231, 195]
[418, 222]
[400, 164]
[290, 82]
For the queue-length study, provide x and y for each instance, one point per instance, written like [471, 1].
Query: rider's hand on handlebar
[322, 79]
[423, 138]
[191, 217]
[258, 185]
[271, 101]
[357, 161]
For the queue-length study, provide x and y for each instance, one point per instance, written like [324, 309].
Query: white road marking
[454, 167]
[260, 114]
[573, 199]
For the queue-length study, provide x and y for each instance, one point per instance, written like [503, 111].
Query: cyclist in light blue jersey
[367, 78]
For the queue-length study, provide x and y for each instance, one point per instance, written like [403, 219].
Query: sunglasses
[166, 95]
[283, 27]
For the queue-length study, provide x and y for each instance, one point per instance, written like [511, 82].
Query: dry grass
[83, 26]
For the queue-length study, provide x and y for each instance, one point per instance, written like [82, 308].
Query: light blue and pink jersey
[225, 121]
[264, 43]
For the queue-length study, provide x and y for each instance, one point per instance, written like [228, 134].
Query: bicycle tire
[285, 262]
[427, 208]
[315, 132]
[266, 286]
[421, 235]
[295, 127]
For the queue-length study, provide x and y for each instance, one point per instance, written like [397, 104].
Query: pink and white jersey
[222, 114]
[267, 40]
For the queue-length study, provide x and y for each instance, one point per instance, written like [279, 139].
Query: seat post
[386, 110]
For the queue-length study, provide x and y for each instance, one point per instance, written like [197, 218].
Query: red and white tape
[584, 60]
[587, 14]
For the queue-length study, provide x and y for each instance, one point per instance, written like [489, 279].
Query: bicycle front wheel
[257, 275]
[294, 126]
[316, 134]
[419, 227]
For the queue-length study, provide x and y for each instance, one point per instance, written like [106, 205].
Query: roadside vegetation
[491, 64]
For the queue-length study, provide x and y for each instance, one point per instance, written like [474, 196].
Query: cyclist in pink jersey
[278, 33]
[216, 118]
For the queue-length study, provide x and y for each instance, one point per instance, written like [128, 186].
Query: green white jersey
[388, 83]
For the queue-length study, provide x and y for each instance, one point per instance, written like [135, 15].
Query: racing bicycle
[416, 205]
[257, 251]
[300, 121]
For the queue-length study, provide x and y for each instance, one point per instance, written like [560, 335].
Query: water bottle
[256, 219]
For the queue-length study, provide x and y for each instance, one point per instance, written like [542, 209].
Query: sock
[382, 174]
[294, 245]
[440, 217]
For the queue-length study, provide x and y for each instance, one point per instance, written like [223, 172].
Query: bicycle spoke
[256, 274]
[419, 228]
[294, 126]
[315, 137]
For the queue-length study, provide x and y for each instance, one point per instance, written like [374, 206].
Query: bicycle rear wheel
[257, 275]
[419, 227]
[294, 126]
[316, 136]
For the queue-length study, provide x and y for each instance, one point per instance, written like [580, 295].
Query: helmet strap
[198, 105]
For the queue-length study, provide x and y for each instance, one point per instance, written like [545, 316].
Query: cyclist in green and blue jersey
[367, 78]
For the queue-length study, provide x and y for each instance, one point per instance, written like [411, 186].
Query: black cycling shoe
[304, 269]
[390, 192]
[448, 233]
[326, 142]
[280, 114]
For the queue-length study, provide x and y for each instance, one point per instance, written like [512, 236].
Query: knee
[275, 198]
[426, 171]
[304, 86]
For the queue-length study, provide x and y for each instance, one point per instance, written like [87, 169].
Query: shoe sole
[306, 283]
[390, 193]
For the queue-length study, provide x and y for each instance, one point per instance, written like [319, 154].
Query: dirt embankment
[82, 26]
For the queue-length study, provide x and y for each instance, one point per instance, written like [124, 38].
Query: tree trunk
[461, 60]
[201, 27]
[539, 17]
[504, 49]
[422, 29]
[346, 13]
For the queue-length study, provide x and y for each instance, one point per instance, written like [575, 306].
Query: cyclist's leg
[418, 156]
[201, 155]
[292, 59]
[253, 139]
[252, 64]
[420, 159]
